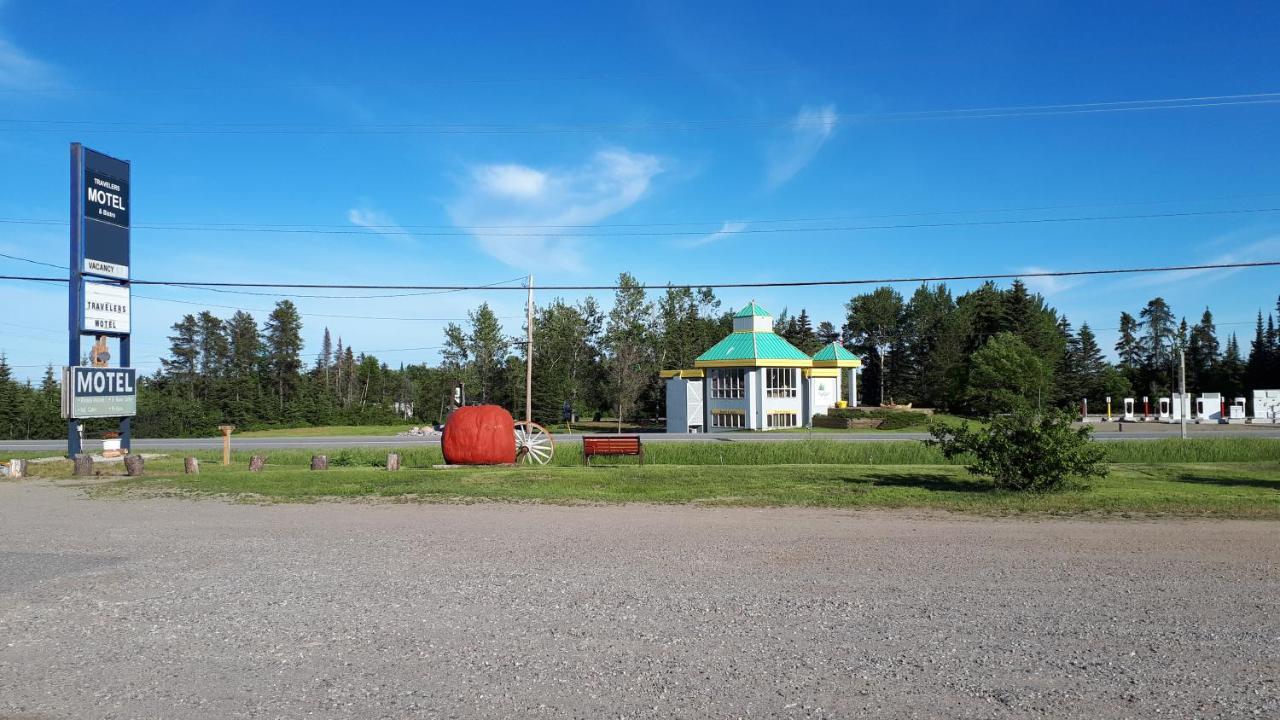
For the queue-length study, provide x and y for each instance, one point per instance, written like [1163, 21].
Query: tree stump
[393, 461]
[82, 465]
[17, 469]
[256, 462]
[191, 466]
[319, 462]
[133, 465]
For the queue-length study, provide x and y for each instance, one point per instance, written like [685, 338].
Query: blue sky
[707, 119]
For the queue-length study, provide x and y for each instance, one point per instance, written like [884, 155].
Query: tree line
[988, 350]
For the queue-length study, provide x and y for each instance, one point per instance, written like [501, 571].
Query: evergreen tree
[10, 413]
[827, 333]
[1256, 369]
[488, 348]
[1203, 354]
[1231, 373]
[282, 348]
[1128, 347]
[1158, 343]
[325, 361]
[182, 364]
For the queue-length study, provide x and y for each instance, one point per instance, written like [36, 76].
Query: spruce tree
[10, 413]
[1203, 354]
[282, 349]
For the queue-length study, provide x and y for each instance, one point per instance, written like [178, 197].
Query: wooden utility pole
[528, 356]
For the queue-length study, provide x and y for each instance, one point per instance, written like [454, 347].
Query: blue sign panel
[106, 203]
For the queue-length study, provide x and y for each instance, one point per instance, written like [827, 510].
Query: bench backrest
[619, 445]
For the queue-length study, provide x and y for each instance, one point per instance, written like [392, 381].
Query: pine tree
[10, 413]
[282, 348]
[1128, 347]
[1231, 373]
[1203, 354]
[827, 333]
[184, 355]
[326, 358]
[488, 348]
[1256, 369]
[1158, 343]
[805, 338]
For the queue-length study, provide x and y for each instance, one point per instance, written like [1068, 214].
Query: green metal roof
[834, 351]
[752, 309]
[752, 346]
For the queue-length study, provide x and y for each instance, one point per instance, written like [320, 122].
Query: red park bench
[611, 445]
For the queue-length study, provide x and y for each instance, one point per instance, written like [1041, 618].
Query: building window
[723, 419]
[780, 382]
[783, 420]
[728, 384]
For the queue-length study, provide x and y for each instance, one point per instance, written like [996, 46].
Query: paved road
[173, 608]
[241, 443]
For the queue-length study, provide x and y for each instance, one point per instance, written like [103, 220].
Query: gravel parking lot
[180, 608]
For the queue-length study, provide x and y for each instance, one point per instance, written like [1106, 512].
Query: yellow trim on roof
[686, 373]
[838, 363]
[822, 372]
[763, 362]
[729, 412]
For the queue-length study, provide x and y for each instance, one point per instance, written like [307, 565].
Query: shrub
[1026, 450]
[880, 418]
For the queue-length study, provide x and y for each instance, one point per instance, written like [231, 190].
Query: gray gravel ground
[179, 608]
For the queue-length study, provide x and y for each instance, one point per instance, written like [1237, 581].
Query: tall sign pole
[73, 290]
[98, 296]
[528, 356]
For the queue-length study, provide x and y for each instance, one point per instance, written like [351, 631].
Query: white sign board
[106, 309]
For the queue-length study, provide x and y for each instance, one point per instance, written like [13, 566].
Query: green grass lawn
[1220, 477]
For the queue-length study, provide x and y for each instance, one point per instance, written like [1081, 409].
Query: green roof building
[754, 379]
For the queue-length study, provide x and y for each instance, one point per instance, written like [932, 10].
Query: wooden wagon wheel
[534, 445]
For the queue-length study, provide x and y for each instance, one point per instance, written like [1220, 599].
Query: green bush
[1026, 450]
[889, 419]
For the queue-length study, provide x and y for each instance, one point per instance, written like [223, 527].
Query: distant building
[754, 379]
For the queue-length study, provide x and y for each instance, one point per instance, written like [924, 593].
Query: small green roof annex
[834, 355]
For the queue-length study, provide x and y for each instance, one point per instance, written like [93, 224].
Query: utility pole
[528, 355]
[1182, 394]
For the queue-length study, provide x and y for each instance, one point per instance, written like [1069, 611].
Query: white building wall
[1266, 405]
[823, 393]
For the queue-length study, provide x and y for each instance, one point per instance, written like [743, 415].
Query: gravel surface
[181, 608]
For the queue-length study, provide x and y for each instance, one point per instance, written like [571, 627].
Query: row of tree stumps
[82, 465]
[191, 465]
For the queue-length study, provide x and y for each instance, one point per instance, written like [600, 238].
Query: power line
[713, 285]
[722, 232]
[1011, 111]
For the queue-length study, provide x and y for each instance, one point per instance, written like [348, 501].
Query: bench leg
[642, 456]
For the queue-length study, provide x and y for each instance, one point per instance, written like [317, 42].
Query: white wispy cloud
[21, 71]
[380, 222]
[726, 229]
[499, 200]
[1049, 285]
[811, 128]
[1260, 250]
